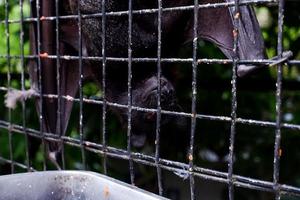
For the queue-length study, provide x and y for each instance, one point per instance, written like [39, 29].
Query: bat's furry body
[214, 24]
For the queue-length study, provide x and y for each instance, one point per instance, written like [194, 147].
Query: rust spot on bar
[280, 152]
[235, 33]
[237, 15]
[191, 157]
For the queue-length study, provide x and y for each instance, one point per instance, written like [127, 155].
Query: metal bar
[17, 164]
[104, 106]
[158, 111]
[129, 91]
[81, 134]
[40, 105]
[152, 11]
[262, 62]
[173, 113]
[236, 24]
[28, 161]
[58, 85]
[10, 134]
[277, 149]
[219, 84]
[194, 102]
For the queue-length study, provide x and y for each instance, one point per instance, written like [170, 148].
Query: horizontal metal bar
[146, 11]
[18, 164]
[262, 62]
[172, 113]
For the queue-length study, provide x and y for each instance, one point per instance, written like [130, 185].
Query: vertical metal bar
[236, 18]
[104, 86]
[80, 88]
[277, 149]
[129, 92]
[59, 99]
[158, 113]
[194, 100]
[38, 27]
[28, 162]
[9, 83]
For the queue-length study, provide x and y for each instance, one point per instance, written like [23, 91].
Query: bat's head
[145, 95]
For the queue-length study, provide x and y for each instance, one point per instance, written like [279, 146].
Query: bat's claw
[55, 158]
[243, 70]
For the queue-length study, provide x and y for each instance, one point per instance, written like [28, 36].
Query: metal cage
[185, 170]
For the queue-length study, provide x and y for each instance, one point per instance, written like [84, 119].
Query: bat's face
[145, 95]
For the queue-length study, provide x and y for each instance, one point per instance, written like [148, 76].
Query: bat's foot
[55, 158]
[243, 70]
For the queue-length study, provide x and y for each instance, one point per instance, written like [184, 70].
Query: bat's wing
[68, 70]
[216, 25]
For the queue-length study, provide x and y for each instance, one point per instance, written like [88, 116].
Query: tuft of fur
[13, 96]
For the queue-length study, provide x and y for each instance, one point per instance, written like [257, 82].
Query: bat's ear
[216, 25]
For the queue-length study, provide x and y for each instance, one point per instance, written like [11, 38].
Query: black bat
[214, 25]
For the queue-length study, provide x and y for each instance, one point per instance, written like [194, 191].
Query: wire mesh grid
[189, 169]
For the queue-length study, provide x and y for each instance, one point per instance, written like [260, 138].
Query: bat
[214, 25]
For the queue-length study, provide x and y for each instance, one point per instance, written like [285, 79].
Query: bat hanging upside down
[214, 25]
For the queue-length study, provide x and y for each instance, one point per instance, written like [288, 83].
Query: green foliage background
[254, 145]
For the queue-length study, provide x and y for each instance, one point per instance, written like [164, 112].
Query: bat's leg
[69, 79]
[34, 145]
[55, 158]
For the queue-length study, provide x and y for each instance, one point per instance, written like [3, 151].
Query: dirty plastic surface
[68, 185]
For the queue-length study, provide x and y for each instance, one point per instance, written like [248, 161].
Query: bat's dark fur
[214, 24]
